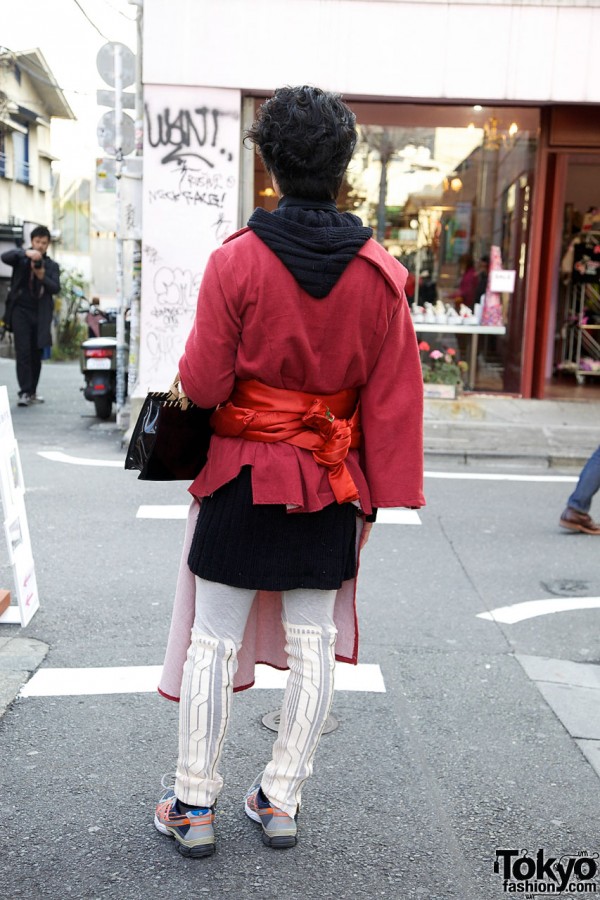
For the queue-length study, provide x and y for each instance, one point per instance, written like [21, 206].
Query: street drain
[272, 719]
[567, 587]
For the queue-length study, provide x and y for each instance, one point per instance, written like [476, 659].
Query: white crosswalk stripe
[384, 516]
[49, 682]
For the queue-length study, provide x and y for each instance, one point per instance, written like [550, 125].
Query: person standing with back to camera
[303, 341]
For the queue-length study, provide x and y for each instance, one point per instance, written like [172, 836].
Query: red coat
[254, 321]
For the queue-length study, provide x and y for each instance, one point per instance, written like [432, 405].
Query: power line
[93, 24]
[119, 11]
[17, 61]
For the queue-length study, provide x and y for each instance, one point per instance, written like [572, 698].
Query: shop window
[577, 325]
[448, 191]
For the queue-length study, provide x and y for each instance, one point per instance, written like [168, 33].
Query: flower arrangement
[443, 368]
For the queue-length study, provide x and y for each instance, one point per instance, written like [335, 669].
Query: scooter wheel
[103, 407]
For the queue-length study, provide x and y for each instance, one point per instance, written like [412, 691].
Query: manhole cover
[567, 587]
[271, 721]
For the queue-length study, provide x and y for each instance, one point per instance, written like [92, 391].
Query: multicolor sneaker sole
[278, 829]
[193, 831]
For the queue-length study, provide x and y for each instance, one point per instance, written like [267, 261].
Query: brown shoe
[578, 521]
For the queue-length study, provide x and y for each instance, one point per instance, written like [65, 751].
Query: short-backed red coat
[255, 321]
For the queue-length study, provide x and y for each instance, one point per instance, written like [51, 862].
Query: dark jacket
[21, 265]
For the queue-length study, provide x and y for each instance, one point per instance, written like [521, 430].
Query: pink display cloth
[264, 637]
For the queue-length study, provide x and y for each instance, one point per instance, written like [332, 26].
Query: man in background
[576, 516]
[29, 308]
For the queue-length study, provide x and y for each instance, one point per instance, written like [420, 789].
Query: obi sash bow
[328, 425]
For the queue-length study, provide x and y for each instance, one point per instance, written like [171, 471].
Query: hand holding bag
[170, 439]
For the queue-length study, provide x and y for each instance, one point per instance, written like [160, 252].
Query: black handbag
[170, 439]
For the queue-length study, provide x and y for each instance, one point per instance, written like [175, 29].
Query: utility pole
[136, 288]
[115, 64]
[120, 279]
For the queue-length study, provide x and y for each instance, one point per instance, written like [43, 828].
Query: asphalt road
[413, 794]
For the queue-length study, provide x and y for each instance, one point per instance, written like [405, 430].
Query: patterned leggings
[207, 688]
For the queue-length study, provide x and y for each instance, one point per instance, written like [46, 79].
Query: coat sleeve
[52, 278]
[392, 418]
[12, 257]
[207, 367]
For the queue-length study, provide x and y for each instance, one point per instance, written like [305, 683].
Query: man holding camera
[29, 308]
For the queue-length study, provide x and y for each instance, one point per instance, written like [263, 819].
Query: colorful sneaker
[278, 829]
[193, 830]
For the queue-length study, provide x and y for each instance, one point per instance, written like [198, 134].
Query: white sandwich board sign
[16, 530]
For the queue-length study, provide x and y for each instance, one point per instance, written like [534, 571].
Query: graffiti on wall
[191, 183]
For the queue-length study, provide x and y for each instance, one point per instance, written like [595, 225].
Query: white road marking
[57, 456]
[48, 682]
[385, 516]
[533, 608]
[396, 516]
[485, 476]
[163, 512]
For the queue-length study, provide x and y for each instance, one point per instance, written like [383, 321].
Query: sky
[69, 41]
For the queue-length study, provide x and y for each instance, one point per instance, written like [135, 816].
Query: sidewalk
[479, 429]
[19, 658]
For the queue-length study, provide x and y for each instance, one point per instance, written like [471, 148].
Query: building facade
[479, 138]
[29, 99]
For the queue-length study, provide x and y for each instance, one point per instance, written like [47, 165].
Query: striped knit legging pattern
[207, 690]
[306, 706]
[206, 693]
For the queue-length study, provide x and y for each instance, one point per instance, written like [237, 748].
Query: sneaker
[193, 830]
[278, 829]
[24, 400]
[35, 398]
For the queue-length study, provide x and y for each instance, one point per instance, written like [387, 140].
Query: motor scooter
[98, 359]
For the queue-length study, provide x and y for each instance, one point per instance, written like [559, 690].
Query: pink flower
[423, 345]
[450, 351]
[436, 354]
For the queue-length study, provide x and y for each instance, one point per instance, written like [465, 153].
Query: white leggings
[207, 688]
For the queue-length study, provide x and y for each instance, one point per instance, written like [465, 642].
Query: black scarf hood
[313, 240]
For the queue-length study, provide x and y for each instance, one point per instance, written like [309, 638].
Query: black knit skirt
[263, 547]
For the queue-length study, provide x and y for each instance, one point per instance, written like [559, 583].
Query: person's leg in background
[24, 327]
[576, 515]
[275, 797]
[36, 367]
[186, 811]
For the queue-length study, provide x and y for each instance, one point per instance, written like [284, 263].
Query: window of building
[21, 156]
[2, 155]
[75, 218]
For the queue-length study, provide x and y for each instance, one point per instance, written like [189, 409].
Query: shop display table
[473, 330]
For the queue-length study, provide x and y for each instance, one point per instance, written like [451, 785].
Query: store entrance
[576, 295]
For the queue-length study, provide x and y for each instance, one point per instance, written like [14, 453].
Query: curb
[19, 658]
[545, 460]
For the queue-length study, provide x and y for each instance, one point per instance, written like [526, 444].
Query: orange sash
[328, 425]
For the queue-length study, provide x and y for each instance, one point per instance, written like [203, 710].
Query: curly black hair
[306, 137]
